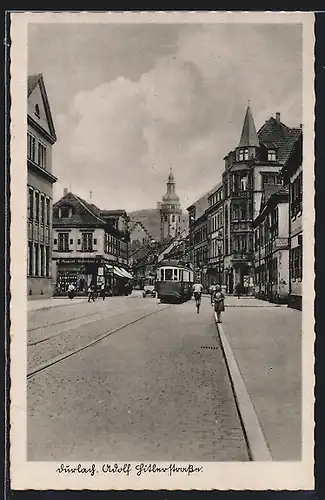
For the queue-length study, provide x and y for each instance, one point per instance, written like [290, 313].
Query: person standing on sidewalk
[71, 289]
[219, 302]
[238, 290]
[103, 291]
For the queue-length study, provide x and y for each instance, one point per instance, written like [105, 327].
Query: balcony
[242, 256]
[239, 193]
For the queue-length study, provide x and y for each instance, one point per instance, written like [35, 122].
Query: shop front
[117, 279]
[79, 272]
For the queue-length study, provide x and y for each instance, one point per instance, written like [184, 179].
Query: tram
[174, 281]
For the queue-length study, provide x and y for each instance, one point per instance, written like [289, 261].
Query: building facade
[215, 236]
[41, 137]
[256, 161]
[198, 237]
[89, 246]
[293, 179]
[271, 245]
[170, 211]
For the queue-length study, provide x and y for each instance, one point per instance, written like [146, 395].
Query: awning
[125, 273]
[117, 271]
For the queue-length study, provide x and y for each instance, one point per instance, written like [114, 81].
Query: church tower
[170, 210]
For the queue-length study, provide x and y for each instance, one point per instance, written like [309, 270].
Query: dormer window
[243, 154]
[37, 113]
[65, 212]
[271, 155]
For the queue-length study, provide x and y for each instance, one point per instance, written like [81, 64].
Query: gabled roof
[272, 195]
[282, 136]
[84, 213]
[32, 82]
[248, 135]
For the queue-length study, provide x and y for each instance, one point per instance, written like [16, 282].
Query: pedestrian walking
[238, 290]
[219, 302]
[211, 291]
[91, 293]
[103, 291]
[71, 289]
[197, 290]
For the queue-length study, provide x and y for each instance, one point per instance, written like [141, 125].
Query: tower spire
[248, 136]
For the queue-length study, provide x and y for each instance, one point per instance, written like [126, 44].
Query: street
[129, 378]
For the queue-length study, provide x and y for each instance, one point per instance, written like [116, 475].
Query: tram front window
[168, 274]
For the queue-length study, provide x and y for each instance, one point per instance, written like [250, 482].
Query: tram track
[61, 357]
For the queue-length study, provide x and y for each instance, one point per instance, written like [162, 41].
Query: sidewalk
[37, 304]
[262, 345]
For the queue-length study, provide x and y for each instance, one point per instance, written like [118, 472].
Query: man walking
[212, 290]
[197, 290]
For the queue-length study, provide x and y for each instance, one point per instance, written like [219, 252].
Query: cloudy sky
[129, 101]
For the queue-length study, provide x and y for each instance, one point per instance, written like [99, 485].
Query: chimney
[65, 191]
[277, 117]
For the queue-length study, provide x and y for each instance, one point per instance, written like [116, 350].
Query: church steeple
[170, 209]
[248, 136]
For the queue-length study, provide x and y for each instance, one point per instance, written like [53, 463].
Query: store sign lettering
[78, 261]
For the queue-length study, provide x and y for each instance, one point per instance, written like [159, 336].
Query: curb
[258, 448]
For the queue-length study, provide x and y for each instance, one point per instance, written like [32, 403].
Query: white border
[216, 475]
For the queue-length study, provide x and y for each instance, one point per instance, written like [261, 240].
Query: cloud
[120, 138]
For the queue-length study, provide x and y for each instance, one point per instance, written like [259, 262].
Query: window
[37, 113]
[162, 275]
[41, 155]
[271, 178]
[42, 209]
[173, 218]
[175, 275]
[244, 183]
[271, 155]
[296, 262]
[63, 242]
[31, 204]
[36, 259]
[31, 147]
[168, 274]
[274, 222]
[296, 195]
[55, 241]
[47, 261]
[243, 154]
[87, 242]
[65, 212]
[95, 241]
[71, 241]
[42, 260]
[48, 212]
[37, 206]
[30, 258]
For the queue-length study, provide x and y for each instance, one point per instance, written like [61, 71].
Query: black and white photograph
[162, 263]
